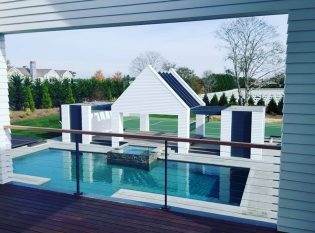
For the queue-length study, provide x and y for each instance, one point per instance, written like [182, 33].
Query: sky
[191, 44]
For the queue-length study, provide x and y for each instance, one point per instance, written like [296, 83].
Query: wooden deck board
[25, 209]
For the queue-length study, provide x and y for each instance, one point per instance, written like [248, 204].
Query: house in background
[42, 74]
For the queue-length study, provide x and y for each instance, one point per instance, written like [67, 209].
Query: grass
[158, 123]
[169, 125]
[51, 121]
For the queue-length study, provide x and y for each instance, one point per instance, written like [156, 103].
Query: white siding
[86, 113]
[226, 134]
[65, 119]
[149, 94]
[257, 133]
[43, 15]
[297, 185]
[6, 169]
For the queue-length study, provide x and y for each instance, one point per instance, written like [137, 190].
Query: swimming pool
[187, 180]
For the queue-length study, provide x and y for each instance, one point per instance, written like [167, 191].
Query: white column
[86, 113]
[65, 122]
[144, 122]
[257, 133]
[183, 131]
[117, 124]
[6, 168]
[201, 125]
[226, 127]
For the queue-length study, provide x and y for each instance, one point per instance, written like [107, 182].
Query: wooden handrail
[146, 137]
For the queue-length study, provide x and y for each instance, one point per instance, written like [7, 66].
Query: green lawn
[51, 121]
[132, 123]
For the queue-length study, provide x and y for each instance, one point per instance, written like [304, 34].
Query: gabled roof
[42, 72]
[179, 89]
[61, 72]
[24, 71]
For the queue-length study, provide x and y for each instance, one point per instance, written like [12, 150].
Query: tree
[272, 107]
[37, 93]
[16, 93]
[46, 100]
[280, 107]
[168, 65]
[251, 101]
[261, 102]
[69, 95]
[117, 76]
[214, 100]
[206, 99]
[144, 59]
[232, 100]
[29, 101]
[252, 50]
[99, 75]
[223, 100]
[191, 79]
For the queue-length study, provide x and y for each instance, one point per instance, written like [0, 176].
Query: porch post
[117, 127]
[200, 125]
[6, 169]
[86, 113]
[183, 131]
[144, 122]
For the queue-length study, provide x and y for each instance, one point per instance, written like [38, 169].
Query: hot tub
[133, 155]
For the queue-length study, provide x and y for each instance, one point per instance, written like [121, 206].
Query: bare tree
[148, 58]
[253, 50]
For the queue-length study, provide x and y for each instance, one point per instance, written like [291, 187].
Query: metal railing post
[77, 166]
[165, 207]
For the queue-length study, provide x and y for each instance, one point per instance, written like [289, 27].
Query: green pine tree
[16, 93]
[46, 100]
[251, 101]
[280, 107]
[223, 100]
[206, 99]
[29, 101]
[233, 100]
[214, 100]
[69, 95]
[272, 107]
[261, 102]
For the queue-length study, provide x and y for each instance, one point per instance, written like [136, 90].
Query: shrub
[261, 102]
[233, 100]
[214, 100]
[223, 100]
[206, 99]
[272, 107]
[29, 101]
[251, 101]
[69, 95]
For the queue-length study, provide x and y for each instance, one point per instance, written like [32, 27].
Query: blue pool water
[137, 150]
[187, 180]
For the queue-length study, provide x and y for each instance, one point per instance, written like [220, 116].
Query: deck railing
[165, 139]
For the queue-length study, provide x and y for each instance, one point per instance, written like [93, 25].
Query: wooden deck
[31, 210]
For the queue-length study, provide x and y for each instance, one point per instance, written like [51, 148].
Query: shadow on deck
[25, 209]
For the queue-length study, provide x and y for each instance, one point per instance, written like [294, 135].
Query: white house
[42, 74]
[158, 93]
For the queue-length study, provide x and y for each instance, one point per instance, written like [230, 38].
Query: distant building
[42, 74]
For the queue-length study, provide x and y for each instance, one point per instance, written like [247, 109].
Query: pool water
[137, 150]
[187, 180]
